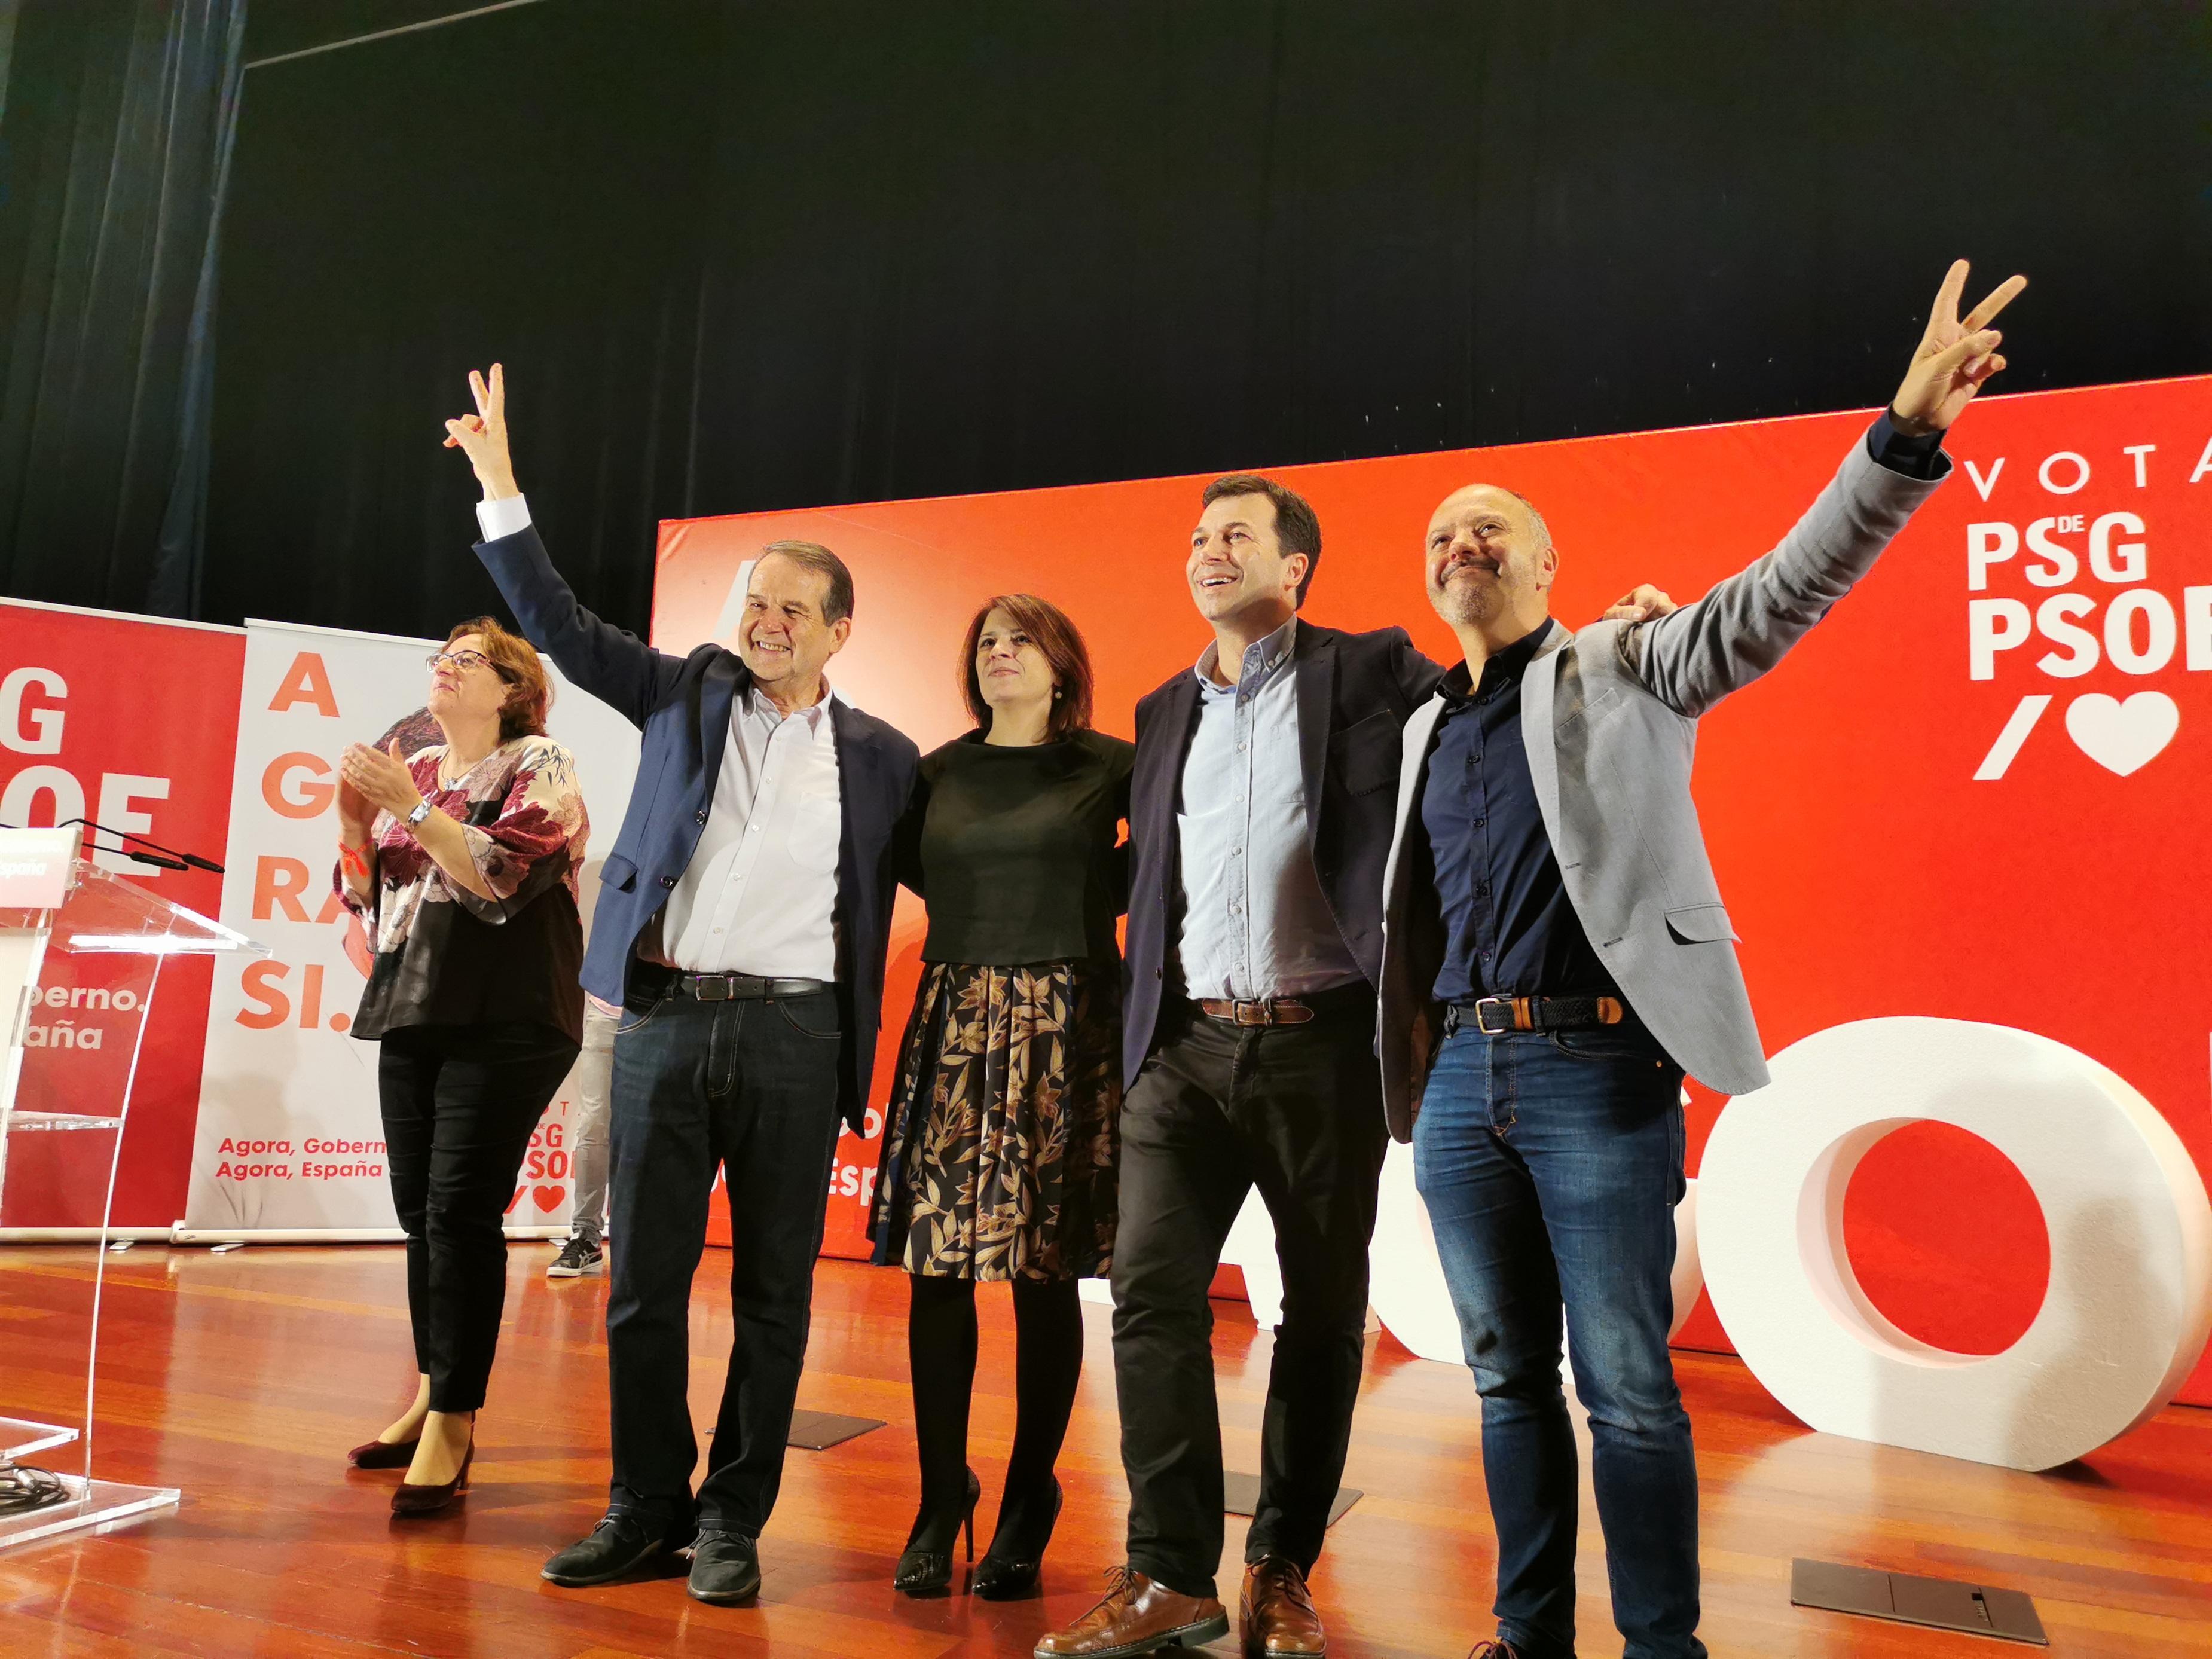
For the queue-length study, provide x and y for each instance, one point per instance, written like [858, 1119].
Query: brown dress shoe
[1494, 1650]
[1138, 1616]
[1279, 1616]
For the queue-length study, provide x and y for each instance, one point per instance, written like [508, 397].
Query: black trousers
[750, 1087]
[1295, 1110]
[459, 1103]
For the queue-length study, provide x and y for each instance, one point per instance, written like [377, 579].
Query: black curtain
[113, 151]
[750, 255]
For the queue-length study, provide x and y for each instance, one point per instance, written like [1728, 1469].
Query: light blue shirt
[1255, 921]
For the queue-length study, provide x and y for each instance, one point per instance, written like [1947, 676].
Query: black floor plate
[1938, 1603]
[1240, 1495]
[819, 1430]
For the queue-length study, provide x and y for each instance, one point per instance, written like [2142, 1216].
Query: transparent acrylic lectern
[81, 954]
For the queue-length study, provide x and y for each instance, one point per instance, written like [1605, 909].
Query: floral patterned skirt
[999, 1156]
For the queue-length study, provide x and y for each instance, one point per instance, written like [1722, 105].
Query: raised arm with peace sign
[1954, 357]
[483, 437]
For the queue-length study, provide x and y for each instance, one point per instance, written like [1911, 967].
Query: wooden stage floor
[241, 1377]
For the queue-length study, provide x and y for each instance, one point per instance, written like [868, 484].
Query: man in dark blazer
[743, 920]
[1260, 815]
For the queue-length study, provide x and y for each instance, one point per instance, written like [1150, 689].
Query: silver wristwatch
[422, 810]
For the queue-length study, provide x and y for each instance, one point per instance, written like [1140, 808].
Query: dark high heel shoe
[925, 1571]
[384, 1454]
[411, 1500]
[1010, 1567]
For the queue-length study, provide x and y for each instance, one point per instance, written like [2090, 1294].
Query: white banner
[289, 1137]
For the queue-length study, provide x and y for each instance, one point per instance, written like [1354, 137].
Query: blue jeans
[749, 1086]
[1551, 1166]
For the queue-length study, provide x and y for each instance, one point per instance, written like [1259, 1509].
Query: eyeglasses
[467, 659]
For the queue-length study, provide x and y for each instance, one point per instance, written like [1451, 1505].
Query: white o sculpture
[2129, 1304]
[1250, 1247]
[1689, 1278]
[1406, 1280]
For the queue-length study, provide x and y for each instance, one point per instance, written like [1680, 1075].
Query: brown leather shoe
[1138, 1616]
[1278, 1611]
[1493, 1650]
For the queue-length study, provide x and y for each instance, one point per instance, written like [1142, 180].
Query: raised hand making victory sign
[483, 437]
[744, 913]
[1955, 357]
[1557, 956]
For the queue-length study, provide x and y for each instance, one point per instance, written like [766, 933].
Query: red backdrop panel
[1868, 870]
[146, 715]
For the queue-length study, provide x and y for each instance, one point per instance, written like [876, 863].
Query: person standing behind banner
[742, 924]
[1557, 955]
[999, 1153]
[582, 1256]
[461, 862]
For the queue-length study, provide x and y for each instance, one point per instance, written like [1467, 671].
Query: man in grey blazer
[1556, 956]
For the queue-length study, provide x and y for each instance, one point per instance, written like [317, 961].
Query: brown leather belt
[1255, 1010]
[1497, 1016]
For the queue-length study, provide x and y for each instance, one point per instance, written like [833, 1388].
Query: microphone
[142, 858]
[169, 858]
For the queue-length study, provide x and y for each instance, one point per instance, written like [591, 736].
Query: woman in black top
[460, 862]
[999, 1157]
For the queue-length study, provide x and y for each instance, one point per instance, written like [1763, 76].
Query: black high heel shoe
[1005, 1573]
[926, 1572]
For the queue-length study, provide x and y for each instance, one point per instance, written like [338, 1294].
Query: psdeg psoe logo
[2086, 580]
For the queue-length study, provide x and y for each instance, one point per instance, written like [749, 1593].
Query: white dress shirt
[760, 895]
[1255, 921]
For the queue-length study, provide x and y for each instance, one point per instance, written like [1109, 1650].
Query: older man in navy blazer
[743, 920]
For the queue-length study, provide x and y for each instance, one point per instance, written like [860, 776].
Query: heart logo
[2123, 737]
[549, 1198]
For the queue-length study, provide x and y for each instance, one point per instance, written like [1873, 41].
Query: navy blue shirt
[1509, 927]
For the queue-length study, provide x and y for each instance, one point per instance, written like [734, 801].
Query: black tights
[941, 1343]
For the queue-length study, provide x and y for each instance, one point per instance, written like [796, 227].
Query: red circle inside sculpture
[1947, 1239]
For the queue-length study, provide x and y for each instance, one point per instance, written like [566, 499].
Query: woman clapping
[461, 861]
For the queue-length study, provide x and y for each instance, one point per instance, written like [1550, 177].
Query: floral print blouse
[443, 956]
